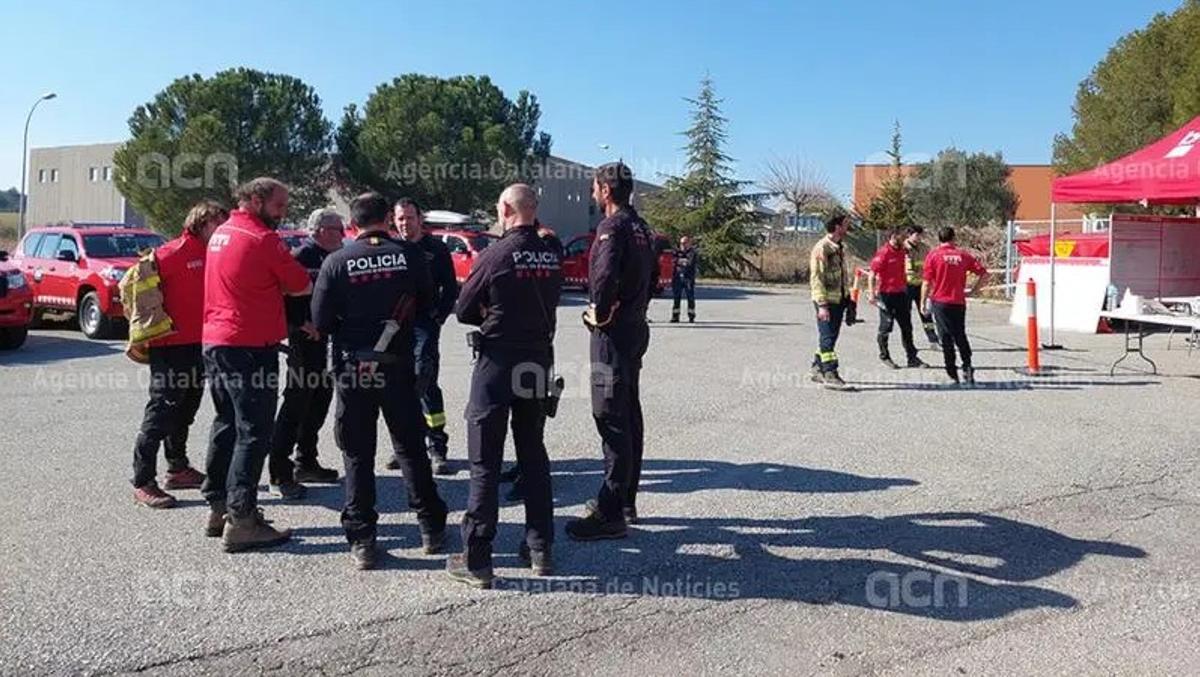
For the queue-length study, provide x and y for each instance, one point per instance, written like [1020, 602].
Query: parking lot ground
[1030, 525]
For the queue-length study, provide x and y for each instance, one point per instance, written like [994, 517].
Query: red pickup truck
[575, 262]
[16, 305]
[77, 269]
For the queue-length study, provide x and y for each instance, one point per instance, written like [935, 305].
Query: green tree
[200, 136]
[451, 143]
[960, 189]
[706, 202]
[1145, 87]
[10, 200]
[891, 206]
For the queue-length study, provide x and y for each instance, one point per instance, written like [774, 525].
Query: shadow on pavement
[43, 349]
[965, 566]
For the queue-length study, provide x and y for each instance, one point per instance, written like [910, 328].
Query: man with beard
[621, 282]
[247, 273]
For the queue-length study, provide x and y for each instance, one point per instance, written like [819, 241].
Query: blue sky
[821, 80]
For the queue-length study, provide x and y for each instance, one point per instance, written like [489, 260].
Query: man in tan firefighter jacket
[914, 264]
[830, 295]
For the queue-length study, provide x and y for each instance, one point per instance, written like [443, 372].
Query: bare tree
[803, 187]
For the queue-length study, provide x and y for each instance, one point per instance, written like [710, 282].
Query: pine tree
[705, 202]
[891, 207]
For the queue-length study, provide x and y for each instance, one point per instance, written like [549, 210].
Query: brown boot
[216, 521]
[252, 531]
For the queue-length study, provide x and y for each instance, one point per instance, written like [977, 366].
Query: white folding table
[1142, 321]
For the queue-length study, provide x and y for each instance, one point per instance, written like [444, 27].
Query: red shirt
[247, 273]
[181, 271]
[888, 264]
[946, 269]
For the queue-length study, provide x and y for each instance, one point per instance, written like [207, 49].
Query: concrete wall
[74, 183]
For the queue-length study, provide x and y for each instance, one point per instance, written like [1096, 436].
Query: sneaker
[432, 541]
[510, 475]
[629, 512]
[315, 474]
[916, 363]
[363, 553]
[833, 381]
[288, 491]
[674, 319]
[593, 527]
[537, 560]
[691, 319]
[969, 375]
[440, 465]
[215, 527]
[151, 496]
[252, 531]
[517, 493]
[887, 362]
[456, 569]
[816, 375]
[188, 478]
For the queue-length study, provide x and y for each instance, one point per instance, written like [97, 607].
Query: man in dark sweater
[308, 391]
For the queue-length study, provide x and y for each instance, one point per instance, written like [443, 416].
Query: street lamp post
[24, 196]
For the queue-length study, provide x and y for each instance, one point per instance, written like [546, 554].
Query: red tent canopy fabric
[1165, 172]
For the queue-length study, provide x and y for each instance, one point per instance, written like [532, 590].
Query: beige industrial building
[75, 184]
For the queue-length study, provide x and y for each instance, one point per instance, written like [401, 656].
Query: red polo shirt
[246, 275]
[181, 271]
[946, 269]
[888, 264]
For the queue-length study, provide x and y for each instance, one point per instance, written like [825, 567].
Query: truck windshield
[119, 245]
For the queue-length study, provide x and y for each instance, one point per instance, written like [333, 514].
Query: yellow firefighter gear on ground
[827, 272]
[142, 301]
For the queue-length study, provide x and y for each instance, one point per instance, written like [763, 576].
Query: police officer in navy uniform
[683, 278]
[512, 296]
[410, 224]
[621, 282]
[367, 297]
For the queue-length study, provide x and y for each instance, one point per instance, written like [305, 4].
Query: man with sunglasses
[308, 392]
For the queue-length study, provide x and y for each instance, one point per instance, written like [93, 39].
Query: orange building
[1031, 183]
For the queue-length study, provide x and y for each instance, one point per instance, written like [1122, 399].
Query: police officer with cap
[512, 296]
[621, 282]
[367, 296]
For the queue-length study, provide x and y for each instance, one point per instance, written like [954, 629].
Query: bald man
[512, 296]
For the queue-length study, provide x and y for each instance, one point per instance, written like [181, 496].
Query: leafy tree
[10, 200]
[891, 206]
[706, 202]
[960, 189]
[451, 143]
[200, 136]
[1145, 87]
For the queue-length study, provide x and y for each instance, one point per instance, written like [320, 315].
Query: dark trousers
[681, 285]
[492, 398]
[826, 358]
[362, 397]
[914, 299]
[426, 338]
[951, 322]
[306, 399]
[616, 368]
[176, 387]
[244, 384]
[895, 308]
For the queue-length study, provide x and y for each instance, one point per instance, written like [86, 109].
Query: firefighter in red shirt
[247, 274]
[888, 285]
[176, 366]
[944, 292]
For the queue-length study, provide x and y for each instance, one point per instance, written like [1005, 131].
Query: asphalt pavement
[1029, 525]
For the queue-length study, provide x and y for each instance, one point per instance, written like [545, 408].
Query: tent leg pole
[1052, 345]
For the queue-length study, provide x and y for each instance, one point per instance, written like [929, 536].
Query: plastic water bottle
[1112, 297]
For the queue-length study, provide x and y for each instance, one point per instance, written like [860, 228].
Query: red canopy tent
[1165, 172]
